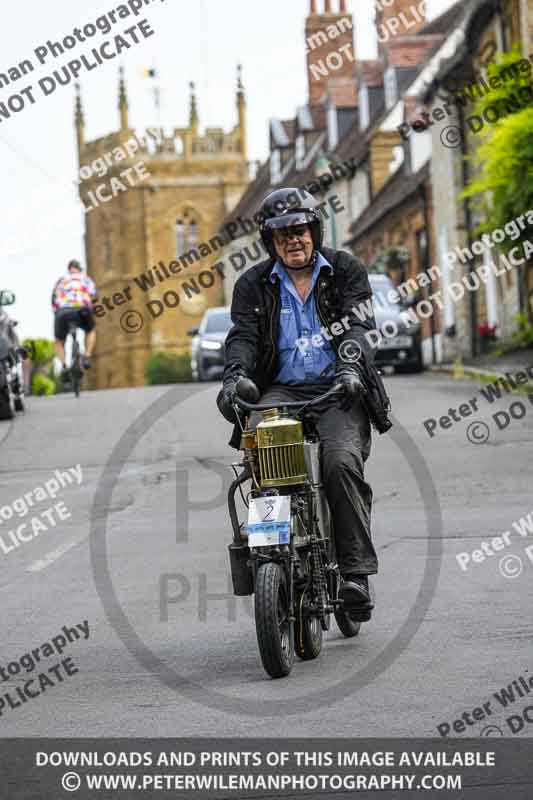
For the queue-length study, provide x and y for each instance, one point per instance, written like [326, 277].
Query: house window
[391, 87]
[364, 108]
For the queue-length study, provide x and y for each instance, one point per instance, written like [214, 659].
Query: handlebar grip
[247, 390]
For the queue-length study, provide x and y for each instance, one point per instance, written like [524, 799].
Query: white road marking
[42, 563]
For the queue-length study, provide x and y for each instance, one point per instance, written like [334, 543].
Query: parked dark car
[403, 350]
[207, 348]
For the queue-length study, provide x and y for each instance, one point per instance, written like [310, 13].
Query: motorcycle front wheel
[275, 633]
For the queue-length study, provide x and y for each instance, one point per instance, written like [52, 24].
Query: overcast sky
[42, 221]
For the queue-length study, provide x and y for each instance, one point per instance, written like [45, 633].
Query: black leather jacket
[251, 345]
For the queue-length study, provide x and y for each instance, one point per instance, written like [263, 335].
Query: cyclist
[72, 302]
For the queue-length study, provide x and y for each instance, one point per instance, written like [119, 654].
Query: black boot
[356, 595]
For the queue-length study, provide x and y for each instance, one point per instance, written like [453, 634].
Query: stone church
[182, 185]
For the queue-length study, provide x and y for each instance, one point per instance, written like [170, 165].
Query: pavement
[511, 362]
[142, 560]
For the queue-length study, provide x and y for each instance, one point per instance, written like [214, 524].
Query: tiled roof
[446, 21]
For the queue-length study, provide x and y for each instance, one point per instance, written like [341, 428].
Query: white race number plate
[269, 521]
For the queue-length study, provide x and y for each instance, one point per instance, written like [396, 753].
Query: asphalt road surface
[142, 558]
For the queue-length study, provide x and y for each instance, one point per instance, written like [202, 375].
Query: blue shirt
[300, 359]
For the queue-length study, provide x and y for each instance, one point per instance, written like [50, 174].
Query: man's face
[294, 246]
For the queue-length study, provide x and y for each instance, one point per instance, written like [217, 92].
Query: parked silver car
[207, 347]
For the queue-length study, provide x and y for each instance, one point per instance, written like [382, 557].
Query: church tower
[181, 186]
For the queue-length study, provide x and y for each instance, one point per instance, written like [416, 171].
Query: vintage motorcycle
[11, 353]
[285, 553]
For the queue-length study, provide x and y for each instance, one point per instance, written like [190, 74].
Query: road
[154, 463]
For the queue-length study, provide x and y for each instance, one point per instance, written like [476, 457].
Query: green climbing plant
[503, 186]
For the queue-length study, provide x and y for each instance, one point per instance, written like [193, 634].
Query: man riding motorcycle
[295, 334]
[72, 298]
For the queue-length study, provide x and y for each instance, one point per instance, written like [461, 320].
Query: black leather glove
[226, 397]
[352, 385]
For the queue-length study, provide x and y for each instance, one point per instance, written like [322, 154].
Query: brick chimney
[396, 18]
[330, 49]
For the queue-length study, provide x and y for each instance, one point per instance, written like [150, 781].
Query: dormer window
[275, 167]
[364, 108]
[391, 88]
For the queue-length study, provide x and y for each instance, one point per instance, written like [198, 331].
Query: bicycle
[76, 369]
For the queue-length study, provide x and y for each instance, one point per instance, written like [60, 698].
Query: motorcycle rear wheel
[275, 633]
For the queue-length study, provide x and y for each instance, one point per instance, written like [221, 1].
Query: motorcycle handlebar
[291, 405]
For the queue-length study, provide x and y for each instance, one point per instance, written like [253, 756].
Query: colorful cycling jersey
[73, 291]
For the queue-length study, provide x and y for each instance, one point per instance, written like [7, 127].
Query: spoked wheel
[307, 631]
[347, 626]
[275, 633]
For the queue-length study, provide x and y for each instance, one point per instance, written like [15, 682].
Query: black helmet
[286, 207]
[74, 264]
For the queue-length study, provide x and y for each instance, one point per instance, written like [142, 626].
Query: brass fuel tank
[280, 443]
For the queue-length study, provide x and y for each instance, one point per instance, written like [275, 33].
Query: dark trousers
[345, 437]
